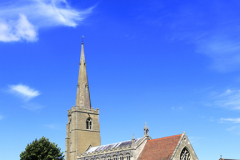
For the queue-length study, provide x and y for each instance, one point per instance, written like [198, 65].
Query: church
[83, 141]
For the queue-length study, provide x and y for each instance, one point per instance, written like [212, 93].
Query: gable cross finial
[145, 129]
[220, 157]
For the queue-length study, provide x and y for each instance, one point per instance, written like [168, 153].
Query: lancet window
[121, 157]
[114, 157]
[128, 156]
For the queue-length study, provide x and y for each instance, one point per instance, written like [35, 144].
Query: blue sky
[172, 64]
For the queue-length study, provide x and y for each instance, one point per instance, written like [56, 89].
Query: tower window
[89, 123]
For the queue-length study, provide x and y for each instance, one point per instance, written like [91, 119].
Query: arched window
[185, 155]
[103, 158]
[115, 157]
[128, 156]
[121, 157]
[108, 158]
[89, 123]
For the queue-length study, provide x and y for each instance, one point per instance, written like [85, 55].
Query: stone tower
[83, 128]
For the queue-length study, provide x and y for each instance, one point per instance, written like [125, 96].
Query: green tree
[42, 149]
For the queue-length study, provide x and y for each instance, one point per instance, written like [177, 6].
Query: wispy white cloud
[26, 94]
[195, 139]
[233, 120]
[24, 91]
[20, 19]
[217, 37]
[32, 106]
[211, 119]
[224, 50]
[1, 117]
[51, 126]
[17, 30]
[176, 108]
[229, 99]
[235, 128]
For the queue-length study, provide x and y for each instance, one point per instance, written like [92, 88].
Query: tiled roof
[160, 149]
[111, 146]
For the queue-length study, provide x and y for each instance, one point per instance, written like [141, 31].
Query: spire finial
[82, 39]
[133, 137]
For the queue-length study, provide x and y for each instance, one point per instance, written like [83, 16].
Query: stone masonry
[83, 141]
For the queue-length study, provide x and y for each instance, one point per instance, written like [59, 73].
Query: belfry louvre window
[89, 123]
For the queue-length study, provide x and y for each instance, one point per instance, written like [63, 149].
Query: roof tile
[160, 149]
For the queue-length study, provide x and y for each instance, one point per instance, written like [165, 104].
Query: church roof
[111, 146]
[160, 149]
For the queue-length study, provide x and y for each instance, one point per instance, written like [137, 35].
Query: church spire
[83, 95]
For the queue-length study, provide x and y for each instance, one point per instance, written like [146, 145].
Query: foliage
[42, 149]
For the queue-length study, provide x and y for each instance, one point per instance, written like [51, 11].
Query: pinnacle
[146, 127]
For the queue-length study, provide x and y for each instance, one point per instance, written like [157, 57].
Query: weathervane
[82, 39]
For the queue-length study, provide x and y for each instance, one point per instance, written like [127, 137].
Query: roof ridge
[165, 137]
[118, 142]
[110, 146]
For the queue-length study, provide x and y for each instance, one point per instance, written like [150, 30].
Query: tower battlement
[83, 109]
